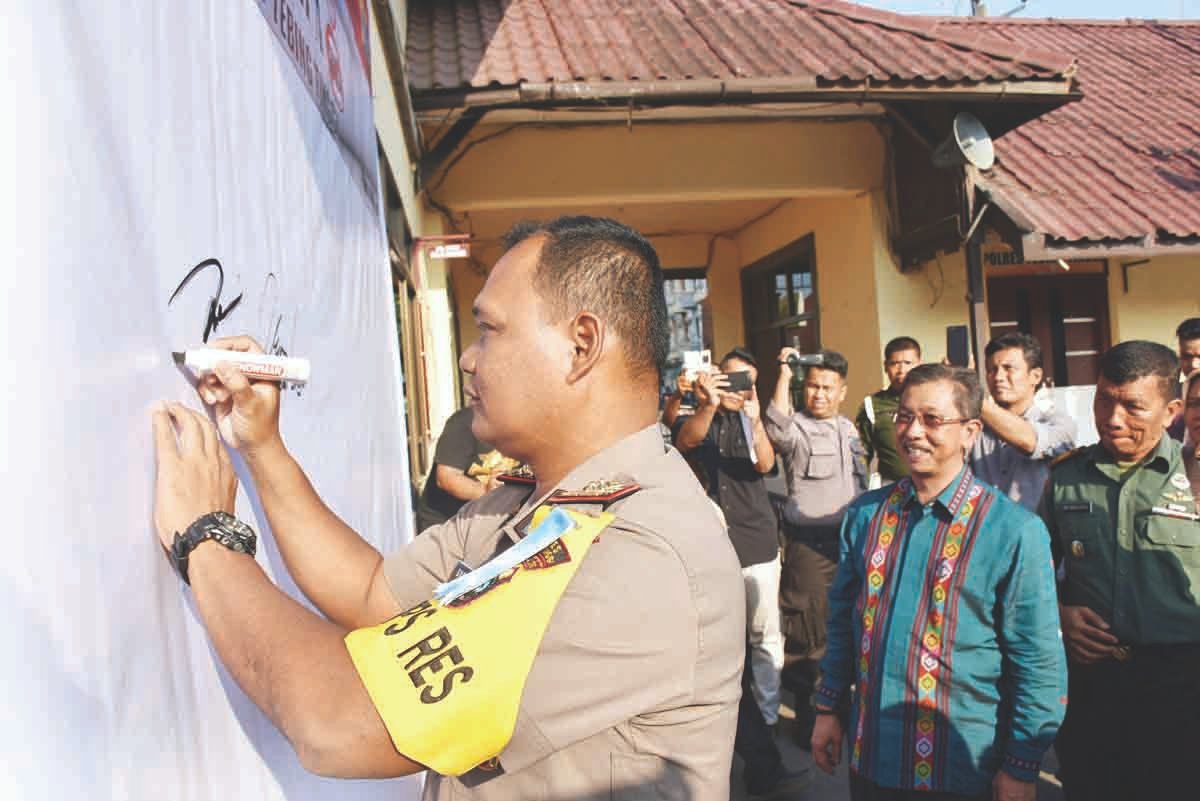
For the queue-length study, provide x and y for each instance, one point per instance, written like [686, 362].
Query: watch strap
[221, 527]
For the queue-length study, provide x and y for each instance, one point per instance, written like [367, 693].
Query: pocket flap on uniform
[1162, 529]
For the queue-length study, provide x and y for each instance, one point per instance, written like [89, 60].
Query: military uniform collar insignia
[522, 475]
[602, 491]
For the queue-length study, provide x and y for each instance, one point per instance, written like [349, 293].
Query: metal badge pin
[1077, 549]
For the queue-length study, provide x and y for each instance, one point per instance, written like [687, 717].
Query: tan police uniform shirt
[634, 690]
[824, 463]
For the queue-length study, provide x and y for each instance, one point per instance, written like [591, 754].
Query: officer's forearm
[327, 559]
[294, 665]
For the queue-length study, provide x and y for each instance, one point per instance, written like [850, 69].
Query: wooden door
[1068, 314]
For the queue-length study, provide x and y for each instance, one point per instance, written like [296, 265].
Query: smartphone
[958, 348]
[697, 361]
[739, 381]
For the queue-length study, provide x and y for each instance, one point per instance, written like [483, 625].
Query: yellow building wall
[822, 178]
[574, 166]
[842, 231]
[920, 304]
[863, 297]
[1162, 293]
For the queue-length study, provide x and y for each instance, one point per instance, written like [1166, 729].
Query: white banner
[143, 139]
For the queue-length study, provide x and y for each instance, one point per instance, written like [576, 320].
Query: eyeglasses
[930, 422]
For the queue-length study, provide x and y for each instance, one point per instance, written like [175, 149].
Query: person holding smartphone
[725, 441]
[825, 467]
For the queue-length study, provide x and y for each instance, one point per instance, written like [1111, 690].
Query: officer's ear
[971, 431]
[1173, 407]
[587, 334]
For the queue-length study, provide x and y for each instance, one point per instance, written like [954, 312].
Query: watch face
[219, 526]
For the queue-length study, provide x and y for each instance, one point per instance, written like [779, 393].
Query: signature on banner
[270, 325]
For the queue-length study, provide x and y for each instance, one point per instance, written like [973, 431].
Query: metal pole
[977, 300]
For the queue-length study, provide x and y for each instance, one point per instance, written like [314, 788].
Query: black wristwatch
[220, 526]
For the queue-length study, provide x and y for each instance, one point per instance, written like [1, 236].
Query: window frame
[760, 305]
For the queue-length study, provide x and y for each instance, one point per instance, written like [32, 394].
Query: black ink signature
[216, 312]
[271, 319]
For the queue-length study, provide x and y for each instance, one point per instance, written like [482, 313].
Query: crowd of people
[587, 613]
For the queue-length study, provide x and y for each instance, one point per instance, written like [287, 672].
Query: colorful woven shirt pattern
[943, 619]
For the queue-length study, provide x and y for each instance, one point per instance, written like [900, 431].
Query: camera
[739, 381]
[795, 360]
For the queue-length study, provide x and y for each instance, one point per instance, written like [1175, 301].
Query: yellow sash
[447, 680]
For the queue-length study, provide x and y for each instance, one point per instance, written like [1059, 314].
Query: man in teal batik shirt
[943, 617]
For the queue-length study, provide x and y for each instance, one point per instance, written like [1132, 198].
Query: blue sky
[1072, 9]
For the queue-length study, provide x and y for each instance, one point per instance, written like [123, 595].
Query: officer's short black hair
[968, 394]
[900, 344]
[1139, 358]
[1018, 340]
[832, 360]
[1189, 329]
[742, 355]
[600, 265]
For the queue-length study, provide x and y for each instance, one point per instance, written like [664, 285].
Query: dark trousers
[863, 790]
[810, 556]
[1132, 731]
[754, 742]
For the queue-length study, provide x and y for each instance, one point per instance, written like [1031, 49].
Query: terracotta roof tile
[456, 44]
[1124, 162]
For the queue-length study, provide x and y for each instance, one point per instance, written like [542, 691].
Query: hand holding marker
[255, 366]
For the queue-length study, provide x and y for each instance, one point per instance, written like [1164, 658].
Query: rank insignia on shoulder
[521, 475]
[604, 491]
[1062, 457]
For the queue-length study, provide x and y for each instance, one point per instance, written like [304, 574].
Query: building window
[690, 318]
[779, 305]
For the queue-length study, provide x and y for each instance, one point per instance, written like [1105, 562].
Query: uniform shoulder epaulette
[522, 475]
[1062, 457]
[604, 491]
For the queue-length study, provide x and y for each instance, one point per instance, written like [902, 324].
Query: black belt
[1126, 652]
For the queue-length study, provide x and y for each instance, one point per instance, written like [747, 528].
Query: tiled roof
[1121, 166]
[462, 44]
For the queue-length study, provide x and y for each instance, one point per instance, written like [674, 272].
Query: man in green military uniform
[1125, 531]
[874, 418]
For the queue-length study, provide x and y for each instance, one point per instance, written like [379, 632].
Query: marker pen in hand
[258, 366]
